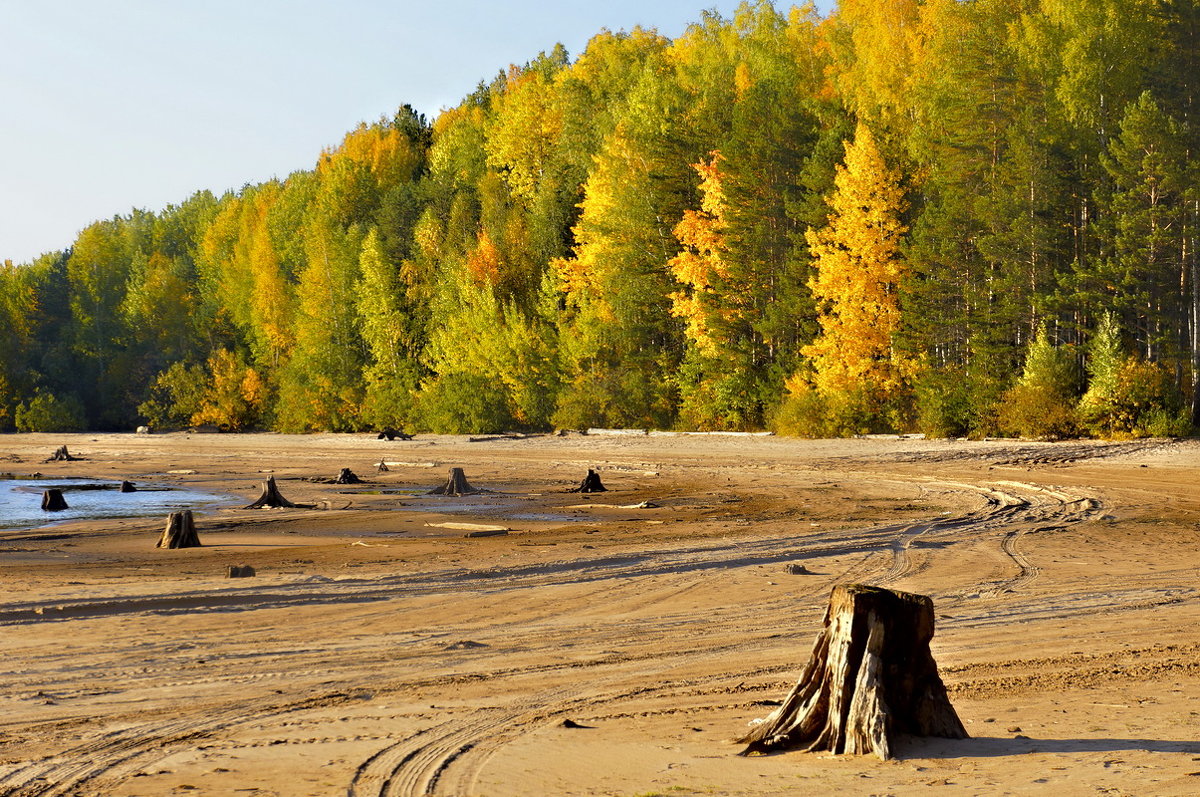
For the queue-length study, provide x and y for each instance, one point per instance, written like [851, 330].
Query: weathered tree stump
[392, 434]
[456, 484]
[270, 497]
[870, 678]
[127, 487]
[591, 484]
[180, 531]
[382, 467]
[346, 476]
[62, 455]
[239, 571]
[53, 501]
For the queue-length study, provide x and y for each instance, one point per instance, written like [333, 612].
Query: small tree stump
[270, 497]
[180, 531]
[456, 484]
[798, 570]
[62, 455]
[239, 571]
[591, 484]
[346, 476]
[870, 677]
[53, 501]
[127, 487]
[392, 434]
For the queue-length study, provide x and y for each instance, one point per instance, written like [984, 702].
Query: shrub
[1042, 403]
[46, 412]
[943, 399]
[462, 403]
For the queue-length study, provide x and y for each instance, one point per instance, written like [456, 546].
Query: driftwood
[591, 484]
[180, 531]
[270, 497]
[346, 476]
[456, 484]
[128, 487]
[62, 455]
[870, 677]
[53, 501]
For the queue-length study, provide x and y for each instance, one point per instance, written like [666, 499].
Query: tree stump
[127, 487]
[180, 531]
[53, 501]
[392, 434]
[270, 497]
[456, 484]
[62, 455]
[239, 571]
[346, 476]
[870, 677]
[591, 484]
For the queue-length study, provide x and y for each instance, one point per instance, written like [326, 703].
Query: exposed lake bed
[378, 644]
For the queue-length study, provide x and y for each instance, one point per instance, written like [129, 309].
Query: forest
[959, 217]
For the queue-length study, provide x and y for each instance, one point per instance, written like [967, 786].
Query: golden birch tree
[858, 270]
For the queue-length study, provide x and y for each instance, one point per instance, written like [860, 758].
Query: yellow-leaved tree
[855, 369]
[701, 262]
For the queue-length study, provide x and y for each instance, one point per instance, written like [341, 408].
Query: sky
[110, 105]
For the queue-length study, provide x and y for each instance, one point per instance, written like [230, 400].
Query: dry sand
[378, 653]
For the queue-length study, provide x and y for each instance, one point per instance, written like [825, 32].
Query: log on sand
[870, 678]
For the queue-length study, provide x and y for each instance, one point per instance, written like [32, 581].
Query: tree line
[971, 217]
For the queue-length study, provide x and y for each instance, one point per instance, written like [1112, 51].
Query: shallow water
[21, 501]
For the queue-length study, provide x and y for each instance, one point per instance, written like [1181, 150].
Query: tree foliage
[902, 215]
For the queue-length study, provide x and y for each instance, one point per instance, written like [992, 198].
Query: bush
[801, 414]
[46, 412]
[460, 403]
[1042, 403]
[943, 400]
[1141, 400]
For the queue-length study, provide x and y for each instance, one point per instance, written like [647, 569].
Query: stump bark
[870, 678]
[347, 476]
[53, 501]
[456, 484]
[180, 531]
[271, 497]
[591, 484]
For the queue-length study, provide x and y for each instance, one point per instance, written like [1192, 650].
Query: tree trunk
[53, 501]
[870, 678]
[591, 484]
[270, 497]
[456, 484]
[180, 531]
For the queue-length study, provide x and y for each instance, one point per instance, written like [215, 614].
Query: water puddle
[21, 501]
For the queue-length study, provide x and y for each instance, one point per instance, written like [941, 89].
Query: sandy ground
[377, 653]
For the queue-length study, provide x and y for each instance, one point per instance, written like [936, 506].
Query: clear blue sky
[108, 105]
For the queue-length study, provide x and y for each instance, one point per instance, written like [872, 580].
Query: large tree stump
[128, 487]
[270, 497]
[347, 476]
[62, 455]
[870, 677]
[591, 484]
[53, 501]
[180, 531]
[456, 484]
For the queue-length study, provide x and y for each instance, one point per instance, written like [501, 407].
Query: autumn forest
[961, 217]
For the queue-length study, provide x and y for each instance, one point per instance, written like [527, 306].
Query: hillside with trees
[964, 218]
